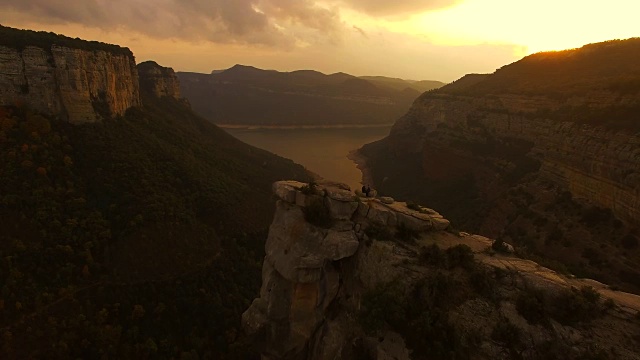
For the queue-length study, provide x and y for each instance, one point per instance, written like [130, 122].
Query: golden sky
[414, 39]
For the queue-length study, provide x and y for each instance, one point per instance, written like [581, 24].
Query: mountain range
[245, 95]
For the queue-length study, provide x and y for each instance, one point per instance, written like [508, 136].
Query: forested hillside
[137, 237]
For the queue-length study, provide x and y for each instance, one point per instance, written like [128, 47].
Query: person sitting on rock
[367, 190]
[364, 190]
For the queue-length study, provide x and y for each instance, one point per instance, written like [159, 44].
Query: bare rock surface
[315, 280]
[79, 85]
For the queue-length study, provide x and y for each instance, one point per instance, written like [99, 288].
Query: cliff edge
[349, 277]
[80, 81]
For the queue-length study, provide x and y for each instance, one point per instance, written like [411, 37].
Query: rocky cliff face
[601, 165]
[338, 284]
[158, 80]
[77, 84]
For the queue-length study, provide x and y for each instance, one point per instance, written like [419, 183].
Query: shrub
[318, 214]
[507, 334]
[309, 189]
[382, 305]
[500, 246]
[531, 305]
[434, 256]
[575, 306]
[405, 233]
[484, 283]
[378, 231]
[629, 241]
[460, 256]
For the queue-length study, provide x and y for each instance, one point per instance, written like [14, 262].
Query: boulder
[339, 209]
[340, 244]
[333, 184]
[339, 194]
[440, 223]
[387, 200]
[414, 223]
[381, 214]
[255, 318]
[286, 190]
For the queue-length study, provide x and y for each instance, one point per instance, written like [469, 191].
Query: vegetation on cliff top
[138, 237]
[19, 39]
[610, 65]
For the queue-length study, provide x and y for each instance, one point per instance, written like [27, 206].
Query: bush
[309, 189]
[378, 231]
[575, 306]
[507, 334]
[318, 214]
[500, 246]
[434, 256]
[405, 233]
[485, 283]
[629, 241]
[380, 306]
[460, 256]
[531, 305]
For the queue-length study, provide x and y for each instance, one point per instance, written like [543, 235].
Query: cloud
[266, 22]
[385, 8]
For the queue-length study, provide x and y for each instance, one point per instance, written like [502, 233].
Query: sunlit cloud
[419, 39]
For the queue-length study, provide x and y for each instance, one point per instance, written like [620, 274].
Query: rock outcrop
[81, 85]
[158, 80]
[318, 277]
[594, 163]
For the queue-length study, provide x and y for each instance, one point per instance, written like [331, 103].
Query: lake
[321, 150]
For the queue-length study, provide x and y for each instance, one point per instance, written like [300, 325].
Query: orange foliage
[41, 171]
[37, 124]
[85, 272]
[6, 124]
[27, 164]
[25, 148]
[67, 160]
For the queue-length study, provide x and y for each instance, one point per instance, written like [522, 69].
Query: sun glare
[538, 25]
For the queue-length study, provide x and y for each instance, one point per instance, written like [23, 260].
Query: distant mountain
[245, 95]
[401, 84]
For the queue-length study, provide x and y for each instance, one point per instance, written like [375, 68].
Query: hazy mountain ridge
[251, 96]
[555, 172]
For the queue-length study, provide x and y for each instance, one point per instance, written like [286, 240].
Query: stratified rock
[341, 210]
[340, 244]
[314, 282]
[286, 190]
[158, 80]
[79, 85]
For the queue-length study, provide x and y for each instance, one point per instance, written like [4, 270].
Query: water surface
[321, 150]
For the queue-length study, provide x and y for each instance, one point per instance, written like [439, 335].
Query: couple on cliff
[366, 190]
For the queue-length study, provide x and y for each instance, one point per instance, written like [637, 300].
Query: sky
[412, 39]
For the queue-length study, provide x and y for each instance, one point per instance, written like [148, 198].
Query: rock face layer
[81, 85]
[319, 276]
[569, 116]
[595, 163]
[158, 80]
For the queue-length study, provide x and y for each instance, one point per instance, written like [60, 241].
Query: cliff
[349, 277]
[544, 153]
[77, 80]
[158, 80]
